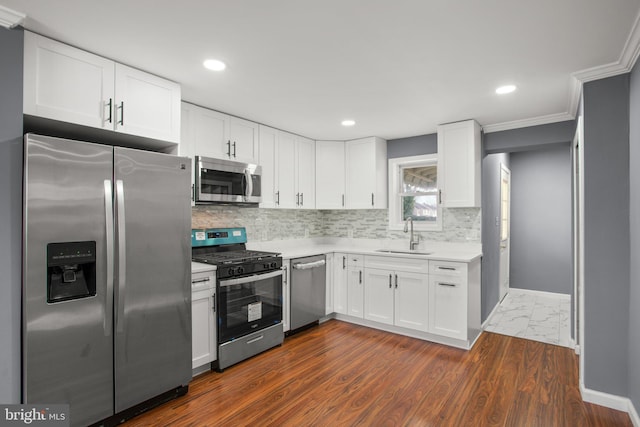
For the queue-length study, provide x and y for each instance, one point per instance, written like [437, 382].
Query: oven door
[226, 181]
[248, 304]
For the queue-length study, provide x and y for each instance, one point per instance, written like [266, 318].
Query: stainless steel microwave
[226, 181]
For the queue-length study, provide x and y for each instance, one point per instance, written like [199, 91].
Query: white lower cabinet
[203, 319]
[397, 298]
[329, 284]
[340, 279]
[355, 286]
[448, 299]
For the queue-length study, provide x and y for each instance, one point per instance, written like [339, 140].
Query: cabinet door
[306, 172]
[146, 105]
[330, 175]
[201, 327]
[210, 133]
[243, 136]
[67, 84]
[460, 163]
[360, 174]
[378, 296]
[411, 300]
[268, 146]
[340, 280]
[286, 190]
[355, 293]
[447, 307]
[329, 285]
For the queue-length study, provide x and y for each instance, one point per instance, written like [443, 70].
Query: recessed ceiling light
[214, 65]
[505, 89]
[348, 122]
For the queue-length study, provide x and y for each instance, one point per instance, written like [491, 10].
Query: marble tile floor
[538, 316]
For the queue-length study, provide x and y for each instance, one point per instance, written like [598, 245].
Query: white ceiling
[398, 68]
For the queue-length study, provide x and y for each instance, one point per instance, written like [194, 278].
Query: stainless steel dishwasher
[308, 290]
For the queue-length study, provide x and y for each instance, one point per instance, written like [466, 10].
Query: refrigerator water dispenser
[71, 270]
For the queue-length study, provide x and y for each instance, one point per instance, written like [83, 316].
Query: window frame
[396, 166]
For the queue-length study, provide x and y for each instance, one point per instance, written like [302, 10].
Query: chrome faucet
[413, 240]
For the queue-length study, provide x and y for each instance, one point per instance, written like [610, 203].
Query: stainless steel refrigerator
[106, 276]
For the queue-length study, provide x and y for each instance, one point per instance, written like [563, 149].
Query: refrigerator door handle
[122, 258]
[108, 210]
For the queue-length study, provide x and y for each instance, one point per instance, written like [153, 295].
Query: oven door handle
[249, 279]
[301, 266]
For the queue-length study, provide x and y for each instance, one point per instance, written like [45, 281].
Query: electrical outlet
[350, 233]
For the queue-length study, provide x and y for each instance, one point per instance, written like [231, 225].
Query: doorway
[505, 227]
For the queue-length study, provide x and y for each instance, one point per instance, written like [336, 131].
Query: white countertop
[444, 251]
[199, 267]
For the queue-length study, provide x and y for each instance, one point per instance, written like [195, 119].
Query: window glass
[419, 192]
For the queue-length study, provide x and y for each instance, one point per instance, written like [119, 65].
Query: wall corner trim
[612, 401]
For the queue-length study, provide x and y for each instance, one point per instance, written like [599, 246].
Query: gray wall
[491, 231]
[530, 138]
[11, 42]
[606, 237]
[412, 146]
[634, 225]
[541, 220]
[542, 137]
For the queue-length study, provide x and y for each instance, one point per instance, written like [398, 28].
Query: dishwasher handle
[309, 265]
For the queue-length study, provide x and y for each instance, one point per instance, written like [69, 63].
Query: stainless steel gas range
[248, 293]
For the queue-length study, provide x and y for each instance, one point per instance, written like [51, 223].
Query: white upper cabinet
[305, 173]
[210, 132]
[459, 169]
[268, 150]
[146, 105]
[67, 84]
[288, 170]
[366, 173]
[242, 142]
[71, 85]
[330, 175]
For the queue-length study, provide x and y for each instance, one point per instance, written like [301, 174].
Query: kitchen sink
[389, 251]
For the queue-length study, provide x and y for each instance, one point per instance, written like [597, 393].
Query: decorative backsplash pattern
[460, 225]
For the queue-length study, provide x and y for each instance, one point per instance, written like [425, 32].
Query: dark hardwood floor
[339, 374]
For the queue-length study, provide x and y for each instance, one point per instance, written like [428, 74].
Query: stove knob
[273, 265]
[231, 271]
[239, 270]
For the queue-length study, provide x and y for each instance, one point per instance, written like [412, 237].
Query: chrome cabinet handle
[451, 285]
[110, 104]
[121, 107]
[297, 199]
[360, 279]
[108, 210]
[446, 268]
[396, 281]
[344, 262]
[439, 197]
[301, 199]
[206, 279]
[278, 197]
[343, 200]
[372, 200]
[214, 302]
[234, 149]
[229, 148]
[389, 281]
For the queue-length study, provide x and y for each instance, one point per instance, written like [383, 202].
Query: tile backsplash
[460, 225]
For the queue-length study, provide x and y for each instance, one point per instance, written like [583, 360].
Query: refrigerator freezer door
[153, 275]
[67, 345]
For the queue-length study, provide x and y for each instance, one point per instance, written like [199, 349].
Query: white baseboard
[486, 322]
[612, 401]
[633, 414]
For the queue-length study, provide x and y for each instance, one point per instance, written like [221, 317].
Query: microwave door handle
[249, 184]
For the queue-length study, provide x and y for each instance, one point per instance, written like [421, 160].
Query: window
[414, 192]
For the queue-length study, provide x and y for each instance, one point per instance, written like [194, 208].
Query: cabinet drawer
[448, 268]
[355, 260]
[203, 281]
[410, 265]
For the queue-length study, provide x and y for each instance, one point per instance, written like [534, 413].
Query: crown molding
[10, 18]
[533, 121]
